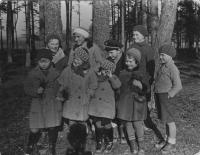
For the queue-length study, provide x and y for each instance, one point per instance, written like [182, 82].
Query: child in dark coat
[132, 106]
[102, 105]
[167, 86]
[46, 109]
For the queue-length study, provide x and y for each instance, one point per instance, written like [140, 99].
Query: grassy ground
[15, 108]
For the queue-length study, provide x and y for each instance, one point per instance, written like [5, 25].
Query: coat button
[99, 98]
[79, 97]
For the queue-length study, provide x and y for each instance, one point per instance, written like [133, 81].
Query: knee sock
[130, 130]
[172, 132]
[138, 125]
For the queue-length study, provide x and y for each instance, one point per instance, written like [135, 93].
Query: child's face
[79, 39]
[164, 58]
[114, 54]
[130, 63]
[138, 37]
[53, 45]
[77, 62]
[44, 63]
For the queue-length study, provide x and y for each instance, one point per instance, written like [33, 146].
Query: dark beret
[141, 29]
[112, 44]
[44, 53]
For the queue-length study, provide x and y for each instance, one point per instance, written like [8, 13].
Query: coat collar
[53, 74]
[168, 64]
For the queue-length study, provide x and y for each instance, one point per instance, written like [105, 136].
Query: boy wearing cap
[167, 86]
[60, 60]
[115, 54]
[102, 106]
[81, 36]
[45, 112]
[80, 82]
[132, 106]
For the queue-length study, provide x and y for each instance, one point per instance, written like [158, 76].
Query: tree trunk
[113, 18]
[70, 19]
[9, 31]
[15, 26]
[136, 12]
[144, 12]
[122, 3]
[154, 20]
[53, 23]
[67, 25]
[177, 31]
[33, 30]
[42, 23]
[28, 51]
[165, 28]
[1, 27]
[101, 21]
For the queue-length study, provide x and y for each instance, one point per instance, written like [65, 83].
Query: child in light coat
[102, 106]
[167, 86]
[80, 82]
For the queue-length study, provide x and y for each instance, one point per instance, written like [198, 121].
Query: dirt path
[15, 107]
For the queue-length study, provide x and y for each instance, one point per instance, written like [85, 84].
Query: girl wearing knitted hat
[45, 111]
[80, 82]
[167, 86]
[60, 60]
[102, 106]
[132, 105]
[81, 36]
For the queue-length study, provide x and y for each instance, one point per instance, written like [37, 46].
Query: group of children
[94, 88]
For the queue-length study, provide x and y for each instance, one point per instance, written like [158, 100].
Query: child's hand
[40, 90]
[109, 73]
[137, 83]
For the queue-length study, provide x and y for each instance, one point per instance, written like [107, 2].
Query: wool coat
[46, 111]
[95, 55]
[147, 62]
[80, 90]
[103, 102]
[128, 108]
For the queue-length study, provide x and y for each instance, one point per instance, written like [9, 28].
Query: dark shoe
[99, 139]
[53, 135]
[132, 147]
[108, 140]
[161, 144]
[32, 141]
[168, 148]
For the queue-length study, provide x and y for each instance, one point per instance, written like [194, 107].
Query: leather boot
[141, 148]
[99, 140]
[32, 141]
[122, 138]
[108, 140]
[53, 135]
[133, 147]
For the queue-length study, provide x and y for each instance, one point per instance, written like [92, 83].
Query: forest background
[168, 21]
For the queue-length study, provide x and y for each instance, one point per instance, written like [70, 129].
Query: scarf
[59, 55]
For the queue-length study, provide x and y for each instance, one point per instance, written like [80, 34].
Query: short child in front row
[167, 86]
[102, 105]
[132, 105]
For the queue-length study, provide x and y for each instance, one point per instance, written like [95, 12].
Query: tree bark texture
[53, 23]
[9, 31]
[101, 22]
[154, 20]
[33, 29]
[67, 25]
[42, 23]
[166, 26]
[122, 22]
[28, 51]
[144, 12]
